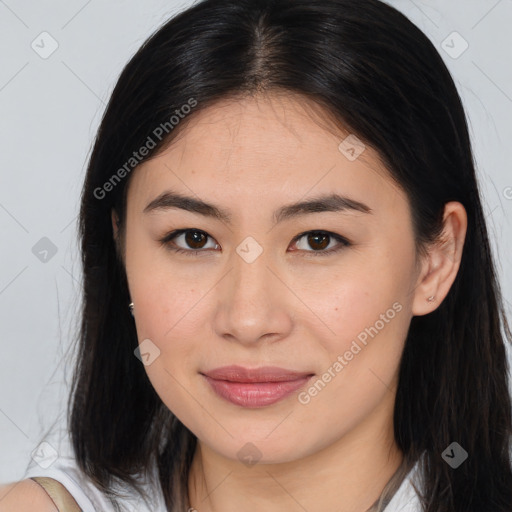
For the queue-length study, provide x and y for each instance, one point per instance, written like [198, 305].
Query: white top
[54, 459]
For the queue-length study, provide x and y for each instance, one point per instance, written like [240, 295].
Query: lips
[256, 387]
[262, 374]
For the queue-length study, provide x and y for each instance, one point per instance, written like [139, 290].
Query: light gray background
[49, 112]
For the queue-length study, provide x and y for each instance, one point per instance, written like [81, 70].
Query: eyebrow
[321, 203]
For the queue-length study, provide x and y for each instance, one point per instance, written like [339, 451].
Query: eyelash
[195, 252]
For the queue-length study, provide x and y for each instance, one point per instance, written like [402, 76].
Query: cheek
[168, 314]
[349, 303]
[164, 297]
[366, 312]
[369, 319]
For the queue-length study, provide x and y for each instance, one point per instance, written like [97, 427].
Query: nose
[253, 303]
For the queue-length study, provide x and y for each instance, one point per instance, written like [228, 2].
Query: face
[326, 292]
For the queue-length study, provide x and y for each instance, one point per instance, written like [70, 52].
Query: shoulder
[63, 467]
[25, 496]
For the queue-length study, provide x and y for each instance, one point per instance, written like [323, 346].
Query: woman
[290, 301]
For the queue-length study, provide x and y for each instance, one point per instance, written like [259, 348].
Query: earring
[131, 307]
[431, 298]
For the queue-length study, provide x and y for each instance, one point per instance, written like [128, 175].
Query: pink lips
[255, 387]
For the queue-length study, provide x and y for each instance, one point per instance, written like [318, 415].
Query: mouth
[256, 387]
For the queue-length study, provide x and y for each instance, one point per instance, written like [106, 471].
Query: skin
[287, 308]
[25, 496]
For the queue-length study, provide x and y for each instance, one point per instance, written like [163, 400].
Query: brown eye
[318, 241]
[195, 239]
[188, 241]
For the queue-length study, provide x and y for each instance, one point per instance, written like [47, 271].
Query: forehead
[276, 147]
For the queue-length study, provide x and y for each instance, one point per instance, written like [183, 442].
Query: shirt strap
[58, 493]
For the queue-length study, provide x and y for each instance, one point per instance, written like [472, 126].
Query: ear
[439, 268]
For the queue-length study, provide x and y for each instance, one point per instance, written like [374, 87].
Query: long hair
[377, 75]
